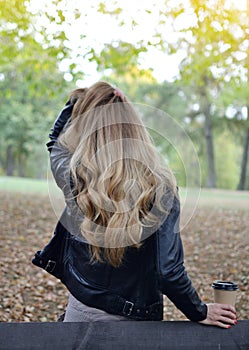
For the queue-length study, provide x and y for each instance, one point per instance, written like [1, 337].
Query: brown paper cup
[225, 292]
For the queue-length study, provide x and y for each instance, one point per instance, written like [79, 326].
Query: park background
[186, 58]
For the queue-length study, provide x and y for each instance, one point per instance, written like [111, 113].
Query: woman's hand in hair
[221, 315]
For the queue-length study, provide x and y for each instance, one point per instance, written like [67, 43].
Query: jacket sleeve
[173, 279]
[59, 156]
[59, 124]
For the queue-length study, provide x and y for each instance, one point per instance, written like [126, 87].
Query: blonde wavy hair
[120, 183]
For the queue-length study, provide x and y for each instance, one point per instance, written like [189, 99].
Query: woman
[123, 208]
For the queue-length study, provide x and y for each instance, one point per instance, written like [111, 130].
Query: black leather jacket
[135, 288]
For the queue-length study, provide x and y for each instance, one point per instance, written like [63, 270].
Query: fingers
[228, 314]
[227, 310]
[227, 320]
[227, 307]
[221, 315]
[216, 323]
[222, 325]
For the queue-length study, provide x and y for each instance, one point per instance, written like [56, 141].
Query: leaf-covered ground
[216, 247]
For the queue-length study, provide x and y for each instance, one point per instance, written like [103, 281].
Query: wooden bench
[128, 335]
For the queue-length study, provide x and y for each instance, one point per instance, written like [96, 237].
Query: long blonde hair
[120, 182]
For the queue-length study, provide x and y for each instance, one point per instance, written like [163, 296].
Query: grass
[19, 184]
[218, 198]
[207, 197]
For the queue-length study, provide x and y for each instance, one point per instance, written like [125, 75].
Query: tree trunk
[1, 164]
[10, 161]
[211, 178]
[21, 164]
[242, 180]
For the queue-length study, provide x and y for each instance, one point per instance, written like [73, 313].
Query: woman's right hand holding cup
[221, 315]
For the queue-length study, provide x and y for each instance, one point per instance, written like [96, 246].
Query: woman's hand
[221, 315]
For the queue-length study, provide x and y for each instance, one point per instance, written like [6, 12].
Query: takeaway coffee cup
[225, 292]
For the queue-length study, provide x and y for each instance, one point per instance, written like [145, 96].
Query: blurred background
[186, 58]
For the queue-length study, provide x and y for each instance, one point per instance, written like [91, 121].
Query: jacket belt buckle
[50, 266]
[128, 307]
